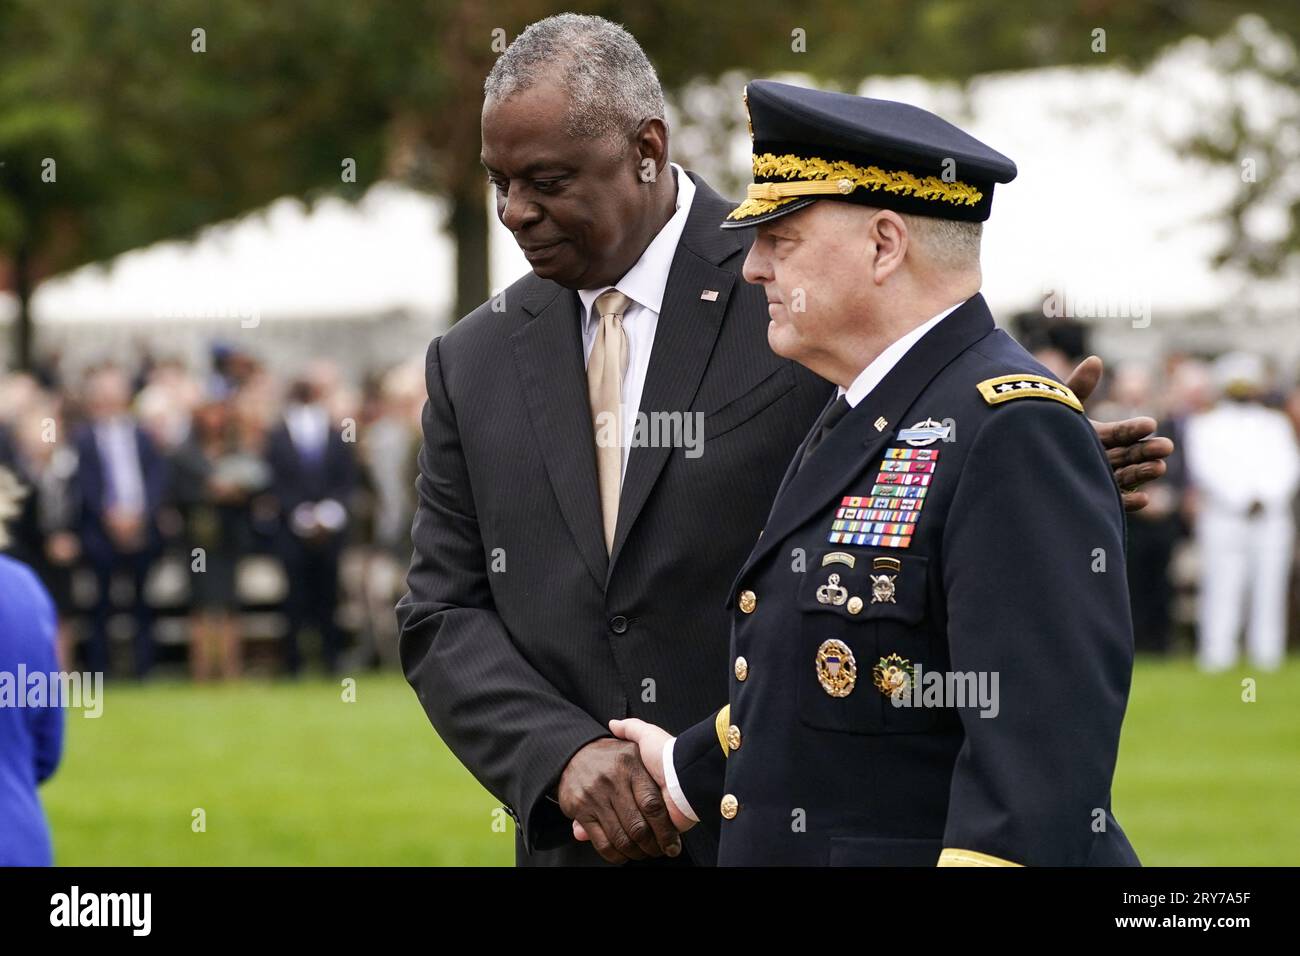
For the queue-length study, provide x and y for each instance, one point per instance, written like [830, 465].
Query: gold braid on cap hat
[839, 177]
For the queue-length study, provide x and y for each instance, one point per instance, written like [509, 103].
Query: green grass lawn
[286, 774]
[290, 774]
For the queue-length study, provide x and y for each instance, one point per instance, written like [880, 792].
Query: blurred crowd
[258, 516]
[224, 508]
[1211, 559]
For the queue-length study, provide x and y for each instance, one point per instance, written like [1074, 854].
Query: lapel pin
[709, 295]
[881, 424]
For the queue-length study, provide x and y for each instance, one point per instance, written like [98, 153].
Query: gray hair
[611, 85]
[950, 243]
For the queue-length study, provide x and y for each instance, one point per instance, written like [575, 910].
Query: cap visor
[768, 216]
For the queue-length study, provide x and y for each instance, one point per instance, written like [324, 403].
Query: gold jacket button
[748, 601]
[733, 737]
[742, 668]
[855, 605]
[730, 806]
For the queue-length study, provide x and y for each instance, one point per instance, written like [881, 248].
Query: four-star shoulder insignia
[1006, 387]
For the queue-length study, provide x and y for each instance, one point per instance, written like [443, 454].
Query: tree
[162, 118]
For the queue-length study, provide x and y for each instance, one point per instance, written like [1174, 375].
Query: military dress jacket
[954, 544]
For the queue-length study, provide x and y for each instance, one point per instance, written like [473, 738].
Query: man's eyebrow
[531, 168]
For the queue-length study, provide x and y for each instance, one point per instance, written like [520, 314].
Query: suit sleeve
[509, 725]
[1036, 593]
[700, 763]
[45, 723]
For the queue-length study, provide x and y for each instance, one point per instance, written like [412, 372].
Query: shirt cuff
[674, 785]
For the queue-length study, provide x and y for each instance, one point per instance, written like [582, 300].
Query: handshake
[614, 792]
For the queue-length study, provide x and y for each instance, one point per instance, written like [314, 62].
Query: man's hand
[126, 528]
[608, 791]
[650, 739]
[1135, 458]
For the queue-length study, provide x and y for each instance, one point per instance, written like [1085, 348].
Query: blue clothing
[31, 738]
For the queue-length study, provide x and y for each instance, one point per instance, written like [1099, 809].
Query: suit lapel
[851, 444]
[684, 336]
[548, 353]
[798, 454]
[549, 356]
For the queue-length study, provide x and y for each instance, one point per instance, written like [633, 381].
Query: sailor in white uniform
[1243, 461]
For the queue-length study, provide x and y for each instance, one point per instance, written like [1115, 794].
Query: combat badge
[925, 433]
[837, 671]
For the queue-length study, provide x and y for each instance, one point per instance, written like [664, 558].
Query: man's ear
[888, 233]
[652, 149]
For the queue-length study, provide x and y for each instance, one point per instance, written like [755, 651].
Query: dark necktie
[830, 418]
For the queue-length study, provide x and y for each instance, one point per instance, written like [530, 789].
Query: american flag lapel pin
[709, 295]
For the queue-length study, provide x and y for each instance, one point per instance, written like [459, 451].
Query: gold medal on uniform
[837, 671]
[892, 676]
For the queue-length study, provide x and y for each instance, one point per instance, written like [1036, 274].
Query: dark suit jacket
[520, 635]
[91, 489]
[294, 481]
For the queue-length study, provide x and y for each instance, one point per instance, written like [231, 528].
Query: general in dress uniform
[931, 646]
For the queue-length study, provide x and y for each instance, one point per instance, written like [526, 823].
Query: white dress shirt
[115, 438]
[644, 284]
[858, 389]
[309, 428]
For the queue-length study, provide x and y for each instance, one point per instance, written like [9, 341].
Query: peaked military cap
[811, 145]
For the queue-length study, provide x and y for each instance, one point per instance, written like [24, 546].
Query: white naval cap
[1237, 372]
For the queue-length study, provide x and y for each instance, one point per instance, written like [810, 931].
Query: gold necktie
[605, 371]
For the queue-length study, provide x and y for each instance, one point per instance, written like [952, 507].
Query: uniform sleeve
[505, 721]
[700, 763]
[1034, 575]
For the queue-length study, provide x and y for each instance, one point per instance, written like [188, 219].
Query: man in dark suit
[120, 482]
[314, 474]
[555, 585]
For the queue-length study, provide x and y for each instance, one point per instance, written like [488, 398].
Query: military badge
[892, 676]
[832, 593]
[882, 589]
[837, 671]
[1005, 388]
[925, 433]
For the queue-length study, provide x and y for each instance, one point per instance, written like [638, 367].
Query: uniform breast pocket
[863, 633]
